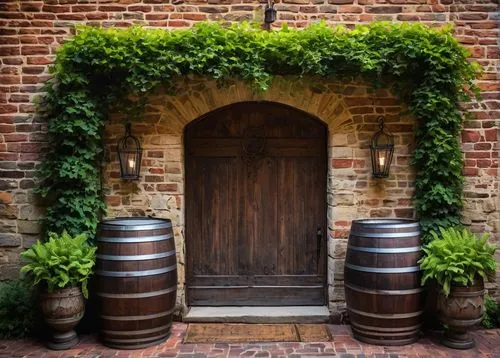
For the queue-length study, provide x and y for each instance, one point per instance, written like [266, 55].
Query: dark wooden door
[255, 207]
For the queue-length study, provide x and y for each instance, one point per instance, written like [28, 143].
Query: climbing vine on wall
[100, 70]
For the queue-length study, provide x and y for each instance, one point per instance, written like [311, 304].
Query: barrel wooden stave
[137, 282]
[382, 282]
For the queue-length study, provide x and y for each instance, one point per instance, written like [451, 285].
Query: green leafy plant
[18, 309]
[63, 261]
[101, 70]
[457, 256]
[491, 313]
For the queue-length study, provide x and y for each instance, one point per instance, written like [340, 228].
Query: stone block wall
[31, 32]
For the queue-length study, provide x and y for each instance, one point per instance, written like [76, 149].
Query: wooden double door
[256, 207]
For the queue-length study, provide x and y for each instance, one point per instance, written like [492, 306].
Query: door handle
[319, 239]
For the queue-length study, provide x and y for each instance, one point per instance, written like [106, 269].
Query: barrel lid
[386, 223]
[135, 223]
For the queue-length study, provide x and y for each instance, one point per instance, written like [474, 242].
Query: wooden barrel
[382, 281]
[136, 281]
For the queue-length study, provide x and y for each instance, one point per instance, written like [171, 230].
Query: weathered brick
[384, 9]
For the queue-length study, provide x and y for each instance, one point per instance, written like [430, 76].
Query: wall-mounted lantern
[269, 15]
[130, 154]
[382, 148]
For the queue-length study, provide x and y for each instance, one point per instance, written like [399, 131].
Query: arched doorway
[256, 207]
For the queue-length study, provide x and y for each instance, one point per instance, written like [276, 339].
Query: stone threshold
[258, 314]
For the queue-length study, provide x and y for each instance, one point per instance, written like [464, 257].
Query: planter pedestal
[62, 310]
[460, 311]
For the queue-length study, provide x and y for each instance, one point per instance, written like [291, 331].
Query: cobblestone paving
[342, 345]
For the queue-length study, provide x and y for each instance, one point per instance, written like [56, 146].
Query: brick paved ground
[343, 345]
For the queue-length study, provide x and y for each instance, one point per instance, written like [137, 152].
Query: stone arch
[196, 97]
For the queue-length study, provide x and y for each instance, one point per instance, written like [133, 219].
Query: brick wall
[31, 31]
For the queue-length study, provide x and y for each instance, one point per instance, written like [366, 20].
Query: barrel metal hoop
[383, 329]
[159, 255]
[250, 286]
[384, 224]
[385, 292]
[137, 340]
[386, 235]
[386, 315]
[136, 273]
[467, 294]
[138, 318]
[130, 240]
[383, 250]
[134, 333]
[385, 334]
[109, 225]
[137, 295]
[383, 269]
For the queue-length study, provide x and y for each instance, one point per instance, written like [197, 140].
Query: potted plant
[61, 266]
[459, 262]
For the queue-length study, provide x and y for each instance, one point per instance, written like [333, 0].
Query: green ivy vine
[98, 70]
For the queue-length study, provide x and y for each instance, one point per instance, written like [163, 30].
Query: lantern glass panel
[130, 155]
[382, 149]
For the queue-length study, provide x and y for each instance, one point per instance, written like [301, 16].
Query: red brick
[139, 8]
[9, 156]
[83, 8]
[470, 136]
[38, 60]
[482, 146]
[97, 16]
[56, 8]
[342, 163]
[170, 187]
[491, 135]
[341, 2]
[384, 9]
[5, 198]
[350, 9]
[113, 200]
[153, 178]
[34, 50]
[112, 8]
[470, 171]
[9, 51]
[9, 80]
[484, 163]
[478, 154]
[194, 17]
[155, 154]
[7, 108]
[31, 7]
[15, 137]
[156, 170]
[178, 23]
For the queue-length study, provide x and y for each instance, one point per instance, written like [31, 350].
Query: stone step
[258, 314]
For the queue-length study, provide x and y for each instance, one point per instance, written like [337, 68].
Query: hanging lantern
[382, 148]
[130, 154]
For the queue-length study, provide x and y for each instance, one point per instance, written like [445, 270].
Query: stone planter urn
[62, 310]
[460, 311]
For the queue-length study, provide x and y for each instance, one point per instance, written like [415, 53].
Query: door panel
[255, 200]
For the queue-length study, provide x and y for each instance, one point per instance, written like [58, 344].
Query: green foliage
[62, 261]
[18, 309]
[491, 314]
[101, 69]
[457, 256]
